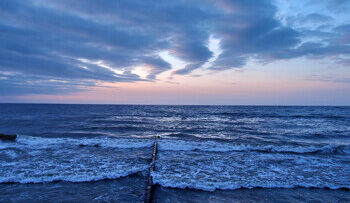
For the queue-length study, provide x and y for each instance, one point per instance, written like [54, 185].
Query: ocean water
[205, 153]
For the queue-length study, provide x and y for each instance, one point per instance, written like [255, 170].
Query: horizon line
[121, 104]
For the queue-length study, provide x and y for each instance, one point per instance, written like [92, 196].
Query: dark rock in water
[8, 137]
[82, 145]
[96, 145]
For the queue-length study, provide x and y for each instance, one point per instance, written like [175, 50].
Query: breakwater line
[149, 186]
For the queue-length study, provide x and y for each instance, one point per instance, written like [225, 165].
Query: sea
[102, 153]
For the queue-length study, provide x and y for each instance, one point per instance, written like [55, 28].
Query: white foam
[82, 177]
[36, 160]
[213, 146]
[24, 141]
[199, 185]
[10, 153]
[232, 170]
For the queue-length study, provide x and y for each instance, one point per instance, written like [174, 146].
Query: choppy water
[209, 148]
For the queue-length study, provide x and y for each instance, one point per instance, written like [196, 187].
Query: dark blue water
[213, 151]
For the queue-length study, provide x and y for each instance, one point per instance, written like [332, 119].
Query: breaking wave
[76, 178]
[24, 141]
[232, 186]
[212, 146]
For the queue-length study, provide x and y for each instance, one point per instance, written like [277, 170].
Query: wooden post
[148, 194]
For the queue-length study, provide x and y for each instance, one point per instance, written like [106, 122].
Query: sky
[219, 52]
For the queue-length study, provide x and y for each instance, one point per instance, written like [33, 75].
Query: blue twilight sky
[175, 52]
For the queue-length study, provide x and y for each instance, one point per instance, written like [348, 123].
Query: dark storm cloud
[69, 41]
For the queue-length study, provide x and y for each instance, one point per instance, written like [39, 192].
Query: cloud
[103, 41]
[316, 17]
[311, 19]
[156, 66]
[330, 79]
[251, 31]
[188, 69]
[338, 6]
[12, 83]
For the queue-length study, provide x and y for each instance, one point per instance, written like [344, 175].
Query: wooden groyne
[149, 187]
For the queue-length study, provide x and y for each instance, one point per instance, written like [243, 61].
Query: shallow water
[209, 151]
[162, 194]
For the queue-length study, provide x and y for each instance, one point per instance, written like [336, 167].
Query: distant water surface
[218, 152]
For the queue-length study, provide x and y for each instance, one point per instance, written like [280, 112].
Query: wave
[309, 116]
[232, 186]
[117, 128]
[230, 170]
[316, 116]
[76, 178]
[120, 122]
[211, 146]
[36, 160]
[238, 114]
[24, 141]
